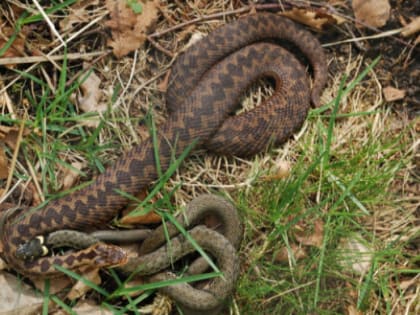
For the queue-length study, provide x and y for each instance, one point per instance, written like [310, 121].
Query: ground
[331, 216]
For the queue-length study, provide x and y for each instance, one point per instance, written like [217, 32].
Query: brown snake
[205, 86]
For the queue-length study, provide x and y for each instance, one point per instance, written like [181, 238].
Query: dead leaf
[71, 175]
[163, 85]
[3, 265]
[411, 28]
[4, 167]
[17, 48]
[297, 252]
[18, 298]
[80, 288]
[86, 307]
[393, 94]
[90, 99]
[405, 284]
[79, 13]
[352, 310]
[58, 285]
[182, 35]
[355, 255]
[149, 218]
[9, 135]
[280, 170]
[374, 13]
[195, 38]
[310, 237]
[315, 19]
[128, 29]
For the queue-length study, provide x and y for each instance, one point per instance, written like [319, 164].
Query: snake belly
[205, 86]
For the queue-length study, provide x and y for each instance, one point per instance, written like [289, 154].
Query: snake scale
[206, 83]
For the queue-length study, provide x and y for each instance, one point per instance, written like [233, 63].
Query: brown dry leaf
[355, 255]
[280, 170]
[90, 100]
[283, 255]
[9, 135]
[58, 285]
[315, 19]
[308, 236]
[17, 49]
[71, 175]
[374, 13]
[86, 307]
[3, 265]
[128, 29]
[163, 85]
[149, 218]
[78, 13]
[352, 310]
[80, 288]
[4, 167]
[405, 284]
[17, 297]
[411, 28]
[393, 94]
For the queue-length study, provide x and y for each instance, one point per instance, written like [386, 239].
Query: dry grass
[371, 141]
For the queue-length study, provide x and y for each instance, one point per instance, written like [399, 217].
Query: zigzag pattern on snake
[205, 86]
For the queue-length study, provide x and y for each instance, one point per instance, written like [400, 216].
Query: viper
[205, 87]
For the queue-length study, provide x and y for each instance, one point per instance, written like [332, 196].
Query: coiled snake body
[205, 85]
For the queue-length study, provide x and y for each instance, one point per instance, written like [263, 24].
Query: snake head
[32, 249]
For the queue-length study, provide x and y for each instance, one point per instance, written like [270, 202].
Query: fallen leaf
[355, 256]
[86, 307]
[17, 48]
[58, 285]
[81, 288]
[71, 175]
[280, 170]
[315, 19]
[148, 218]
[3, 265]
[374, 13]
[411, 28]
[307, 236]
[405, 284]
[9, 135]
[352, 310]
[90, 98]
[163, 85]
[195, 38]
[297, 252]
[18, 297]
[4, 167]
[393, 94]
[79, 12]
[128, 29]
[182, 35]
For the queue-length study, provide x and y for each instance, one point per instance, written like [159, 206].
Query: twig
[48, 20]
[15, 156]
[38, 59]
[5, 97]
[216, 16]
[160, 48]
[356, 39]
